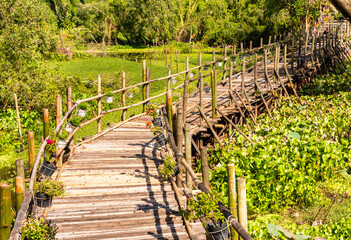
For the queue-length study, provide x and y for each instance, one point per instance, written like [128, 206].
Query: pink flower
[49, 141]
[148, 124]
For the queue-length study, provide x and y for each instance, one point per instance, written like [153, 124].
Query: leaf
[295, 135]
[272, 230]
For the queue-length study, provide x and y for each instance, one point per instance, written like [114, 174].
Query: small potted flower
[192, 74]
[83, 109]
[62, 142]
[47, 169]
[207, 87]
[132, 91]
[173, 80]
[152, 111]
[109, 97]
[206, 67]
[167, 168]
[46, 189]
[38, 228]
[205, 206]
[220, 61]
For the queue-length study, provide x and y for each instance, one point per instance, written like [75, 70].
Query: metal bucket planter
[219, 64]
[161, 140]
[219, 232]
[42, 200]
[69, 127]
[191, 75]
[205, 68]
[61, 144]
[82, 113]
[207, 89]
[174, 80]
[157, 122]
[47, 169]
[130, 95]
[109, 99]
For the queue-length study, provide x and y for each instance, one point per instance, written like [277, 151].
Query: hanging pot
[219, 232]
[82, 113]
[47, 169]
[157, 122]
[66, 154]
[219, 64]
[207, 89]
[130, 95]
[61, 144]
[205, 68]
[109, 99]
[161, 139]
[42, 200]
[191, 75]
[174, 80]
[69, 127]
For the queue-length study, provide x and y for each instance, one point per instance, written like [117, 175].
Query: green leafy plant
[133, 90]
[83, 106]
[75, 121]
[38, 228]
[51, 187]
[63, 135]
[151, 110]
[154, 129]
[109, 94]
[167, 168]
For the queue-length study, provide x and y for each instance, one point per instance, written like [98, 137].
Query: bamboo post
[201, 92]
[147, 86]
[185, 92]
[18, 122]
[241, 47]
[204, 167]
[187, 138]
[124, 112]
[174, 119]
[242, 207]
[269, 40]
[199, 62]
[293, 55]
[179, 140]
[69, 102]
[46, 126]
[58, 109]
[177, 60]
[243, 78]
[143, 89]
[99, 103]
[231, 79]
[250, 45]
[225, 63]
[19, 189]
[232, 196]
[234, 49]
[261, 42]
[213, 59]
[169, 107]
[31, 150]
[5, 210]
[214, 93]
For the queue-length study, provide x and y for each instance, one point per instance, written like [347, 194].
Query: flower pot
[109, 99]
[191, 75]
[157, 122]
[234, 60]
[219, 232]
[205, 68]
[66, 154]
[47, 169]
[161, 139]
[61, 144]
[82, 113]
[130, 95]
[173, 80]
[219, 64]
[42, 200]
[69, 127]
[194, 95]
[207, 89]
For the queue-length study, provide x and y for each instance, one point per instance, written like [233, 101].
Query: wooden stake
[201, 92]
[169, 107]
[231, 80]
[99, 110]
[19, 189]
[46, 126]
[179, 140]
[214, 92]
[261, 43]
[124, 111]
[241, 47]
[58, 109]
[242, 207]
[143, 89]
[187, 138]
[5, 210]
[31, 150]
[232, 196]
[185, 92]
[18, 122]
[69, 102]
[204, 167]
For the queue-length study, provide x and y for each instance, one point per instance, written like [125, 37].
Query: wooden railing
[330, 41]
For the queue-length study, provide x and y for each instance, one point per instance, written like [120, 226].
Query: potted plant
[47, 169]
[205, 206]
[62, 142]
[132, 91]
[220, 61]
[46, 189]
[156, 130]
[83, 109]
[207, 87]
[75, 122]
[38, 228]
[152, 111]
[167, 168]
[206, 67]
[174, 80]
[192, 74]
[109, 97]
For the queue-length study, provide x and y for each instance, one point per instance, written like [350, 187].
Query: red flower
[209, 185]
[148, 124]
[49, 141]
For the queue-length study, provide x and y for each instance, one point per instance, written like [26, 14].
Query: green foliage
[84, 106]
[151, 110]
[37, 229]
[63, 135]
[75, 121]
[167, 168]
[51, 187]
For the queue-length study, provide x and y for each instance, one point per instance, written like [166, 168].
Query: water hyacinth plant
[37, 229]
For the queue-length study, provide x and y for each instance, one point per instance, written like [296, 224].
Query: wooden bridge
[113, 187]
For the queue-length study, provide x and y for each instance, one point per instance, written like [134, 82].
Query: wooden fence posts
[5, 210]
[58, 109]
[31, 150]
[232, 196]
[185, 92]
[204, 167]
[242, 206]
[19, 122]
[143, 89]
[20, 186]
[99, 110]
[124, 111]
[179, 140]
[214, 92]
[187, 138]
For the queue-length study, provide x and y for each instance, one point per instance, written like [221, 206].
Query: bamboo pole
[5, 210]
[18, 122]
[185, 92]
[143, 89]
[204, 167]
[210, 126]
[241, 47]
[99, 110]
[179, 139]
[124, 111]
[214, 93]
[174, 119]
[31, 150]
[242, 206]
[247, 109]
[46, 127]
[187, 138]
[19, 189]
[261, 42]
[201, 87]
[58, 109]
[232, 196]
[169, 107]
[231, 79]
[69, 102]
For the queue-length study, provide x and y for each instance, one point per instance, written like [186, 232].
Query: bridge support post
[232, 196]
[187, 138]
[5, 210]
[242, 206]
[124, 112]
[20, 186]
[179, 141]
[99, 104]
[31, 150]
[204, 167]
[214, 92]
